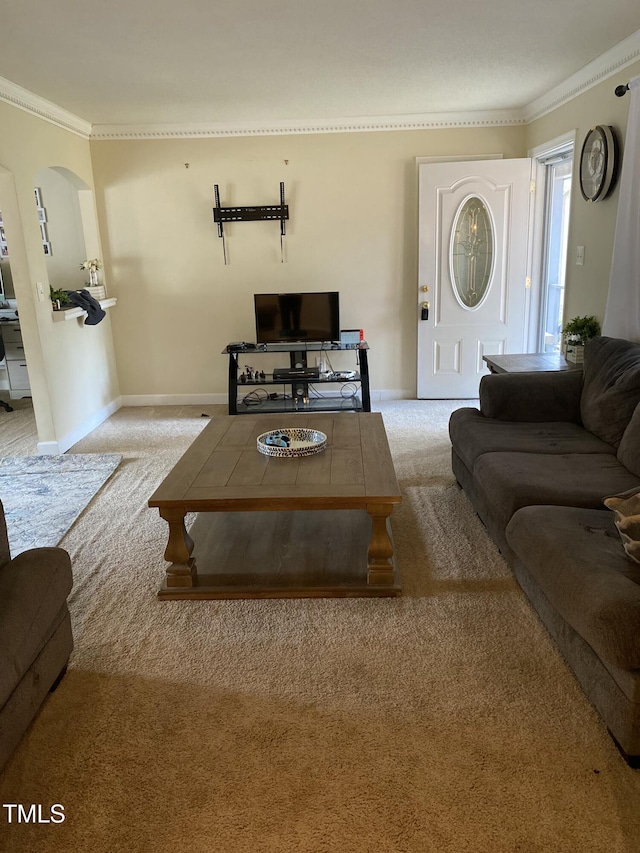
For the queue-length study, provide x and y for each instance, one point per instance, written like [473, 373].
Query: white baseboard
[222, 399]
[173, 399]
[55, 448]
[392, 394]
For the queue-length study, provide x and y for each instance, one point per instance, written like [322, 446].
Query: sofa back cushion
[611, 387]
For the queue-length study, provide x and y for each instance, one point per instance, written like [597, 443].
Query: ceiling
[147, 62]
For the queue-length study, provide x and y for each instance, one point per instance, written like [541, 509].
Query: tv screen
[285, 317]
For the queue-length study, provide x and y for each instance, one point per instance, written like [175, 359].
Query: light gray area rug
[443, 721]
[43, 495]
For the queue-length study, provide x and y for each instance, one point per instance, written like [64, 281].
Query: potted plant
[58, 298]
[576, 333]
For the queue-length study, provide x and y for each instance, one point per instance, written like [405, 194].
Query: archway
[68, 225]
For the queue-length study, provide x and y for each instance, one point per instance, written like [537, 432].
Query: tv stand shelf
[299, 394]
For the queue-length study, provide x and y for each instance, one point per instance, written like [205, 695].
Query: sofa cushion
[576, 559]
[629, 449]
[472, 435]
[611, 387]
[626, 512]
[509, 481]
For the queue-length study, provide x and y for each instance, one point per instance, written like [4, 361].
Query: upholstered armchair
[35, 633]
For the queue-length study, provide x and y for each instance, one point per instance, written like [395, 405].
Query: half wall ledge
[72, 313]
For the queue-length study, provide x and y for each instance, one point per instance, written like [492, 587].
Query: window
[557, 180]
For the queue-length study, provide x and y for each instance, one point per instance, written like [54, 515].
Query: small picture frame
[42, 214]
[1, 219]
[47, 248]
[43, 232]
[38, 197]
[4, 250]
[3, 239]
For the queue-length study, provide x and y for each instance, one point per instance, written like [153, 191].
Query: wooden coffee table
[280, 528]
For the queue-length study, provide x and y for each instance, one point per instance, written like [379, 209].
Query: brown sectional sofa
[536, 461]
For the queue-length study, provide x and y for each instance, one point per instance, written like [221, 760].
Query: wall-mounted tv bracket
[250, 214]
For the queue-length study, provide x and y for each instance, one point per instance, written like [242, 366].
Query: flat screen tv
[293, 317]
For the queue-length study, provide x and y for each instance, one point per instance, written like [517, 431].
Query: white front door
[473, 266]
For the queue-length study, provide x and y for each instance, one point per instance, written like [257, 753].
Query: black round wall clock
[598, 163]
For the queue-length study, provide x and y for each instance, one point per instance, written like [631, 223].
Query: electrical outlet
[580, 256]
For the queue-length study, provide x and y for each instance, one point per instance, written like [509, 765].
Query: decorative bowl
[293, 441]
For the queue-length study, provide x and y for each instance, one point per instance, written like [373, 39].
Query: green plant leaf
[581, 329]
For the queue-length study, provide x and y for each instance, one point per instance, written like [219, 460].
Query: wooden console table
[529, 363]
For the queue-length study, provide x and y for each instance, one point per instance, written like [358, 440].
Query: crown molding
[606, 65]
[428, 121]
[40, 107]
[609, 63]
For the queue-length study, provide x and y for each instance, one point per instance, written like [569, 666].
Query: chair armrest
[5, 554]
[532, 397]
[33, 588]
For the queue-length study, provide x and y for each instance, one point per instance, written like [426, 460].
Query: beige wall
[71, 367]
[591, 225]
[353, 228]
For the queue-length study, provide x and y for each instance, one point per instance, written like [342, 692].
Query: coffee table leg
[380, 552]
[182, 571]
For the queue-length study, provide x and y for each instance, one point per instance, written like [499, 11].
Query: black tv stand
[257, 395]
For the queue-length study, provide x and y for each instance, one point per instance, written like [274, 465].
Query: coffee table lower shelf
[319, 554]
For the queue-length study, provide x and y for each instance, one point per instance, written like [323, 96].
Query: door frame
[539, 154]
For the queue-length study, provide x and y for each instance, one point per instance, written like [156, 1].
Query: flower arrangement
[581, 329]
[93, 265]
[576, 333]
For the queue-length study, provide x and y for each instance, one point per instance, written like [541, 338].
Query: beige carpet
[440, 722]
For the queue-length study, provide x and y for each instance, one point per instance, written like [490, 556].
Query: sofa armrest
[532, 397]
[5, 554]
[33, 588]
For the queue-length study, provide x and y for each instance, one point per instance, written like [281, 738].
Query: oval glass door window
[471, 252]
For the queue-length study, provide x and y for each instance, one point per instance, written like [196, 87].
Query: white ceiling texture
[233, 62]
